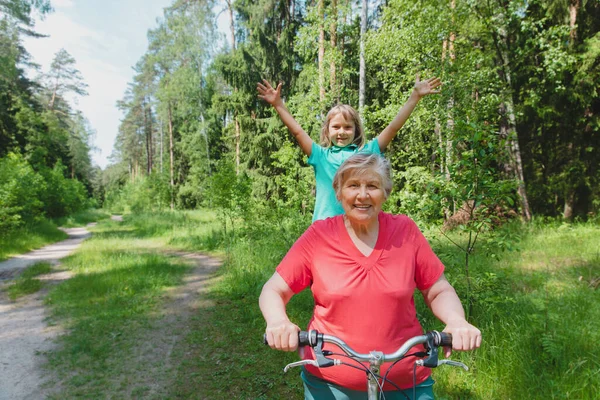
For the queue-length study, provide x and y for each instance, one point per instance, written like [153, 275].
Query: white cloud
[62, 3]
[106, 39]
[97, 56]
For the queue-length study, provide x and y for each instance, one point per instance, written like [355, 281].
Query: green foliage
[416, 196]
[150, 193]
[39, 132]
[20, 193]
[229, 193]
[62, 196]
[82, 218]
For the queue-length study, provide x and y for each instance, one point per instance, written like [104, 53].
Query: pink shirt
[366, 301]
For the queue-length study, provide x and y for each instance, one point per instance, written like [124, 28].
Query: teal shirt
[326, 162]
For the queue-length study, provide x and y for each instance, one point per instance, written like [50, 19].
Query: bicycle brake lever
[453, 364]
[299, 364]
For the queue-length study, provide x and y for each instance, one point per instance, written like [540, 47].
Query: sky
[106, 39]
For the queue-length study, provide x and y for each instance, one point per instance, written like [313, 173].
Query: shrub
[62, 196]
[19, 193]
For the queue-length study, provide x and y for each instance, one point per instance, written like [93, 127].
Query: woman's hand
[428, 86]
[283, 336]
[268, 94]
[465, 336]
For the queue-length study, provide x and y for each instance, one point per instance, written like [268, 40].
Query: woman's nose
[363, 192]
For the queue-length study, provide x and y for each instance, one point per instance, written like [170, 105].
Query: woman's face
[362, 196]
[341, 130]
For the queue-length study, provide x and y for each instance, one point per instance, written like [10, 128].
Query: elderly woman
[362, 268]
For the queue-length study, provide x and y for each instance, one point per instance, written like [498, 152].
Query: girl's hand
[283, 336]
[465, 336]
[428, 86]
[268, 94]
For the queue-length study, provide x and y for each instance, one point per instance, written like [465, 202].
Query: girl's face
[341, 130]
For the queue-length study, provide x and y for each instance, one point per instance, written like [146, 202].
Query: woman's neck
[364, 235]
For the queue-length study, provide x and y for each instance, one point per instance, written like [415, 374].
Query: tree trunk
[573, 10]
[148, 131]
[160, 123]
[321, 55]
[568, 210]
[237, 146]
[569, 205]
[231, 23]
[207, 144]
[53, 98]
[333, 44]
[171, 159]
[362, 65]
[512, 137]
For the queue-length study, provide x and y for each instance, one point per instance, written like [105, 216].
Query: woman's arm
[421, 89]
[282, 334]
[442, 299]
[273, 97]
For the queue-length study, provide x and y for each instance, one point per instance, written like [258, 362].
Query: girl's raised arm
[273, 97]
[421, 89]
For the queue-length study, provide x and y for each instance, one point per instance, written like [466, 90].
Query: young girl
[341, 136]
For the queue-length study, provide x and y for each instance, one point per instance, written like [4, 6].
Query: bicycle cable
[417, 354]
[364, 368]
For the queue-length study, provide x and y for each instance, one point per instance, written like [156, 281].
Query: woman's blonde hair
[362, 163]
[349, 113]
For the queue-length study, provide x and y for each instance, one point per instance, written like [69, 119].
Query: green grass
[34, 236]
[82, 218]
[28, 238]
[26, 283]
[539, 315]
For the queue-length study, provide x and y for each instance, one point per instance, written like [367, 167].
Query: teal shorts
[318, 389]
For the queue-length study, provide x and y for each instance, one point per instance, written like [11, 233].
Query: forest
[509, 147]
[513, 133]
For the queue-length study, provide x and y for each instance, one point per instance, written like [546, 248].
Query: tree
[63, 78]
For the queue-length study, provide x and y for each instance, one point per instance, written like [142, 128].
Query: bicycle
[431, 340]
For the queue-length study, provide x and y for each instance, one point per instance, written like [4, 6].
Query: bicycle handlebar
[432, 340]
[313, 338]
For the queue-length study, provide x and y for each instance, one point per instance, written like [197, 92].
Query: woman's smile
[362, 196]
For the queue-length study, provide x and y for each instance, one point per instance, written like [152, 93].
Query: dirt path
[153, 366]
[25, 336]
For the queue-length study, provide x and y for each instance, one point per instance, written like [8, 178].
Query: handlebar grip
[445, 339]
[303, 338]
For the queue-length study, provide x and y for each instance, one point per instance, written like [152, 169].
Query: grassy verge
[27, 283]
[82, 218]
[34, 236]
[28, 238]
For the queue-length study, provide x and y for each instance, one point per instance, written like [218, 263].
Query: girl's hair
[348, 113]
[359, 164]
